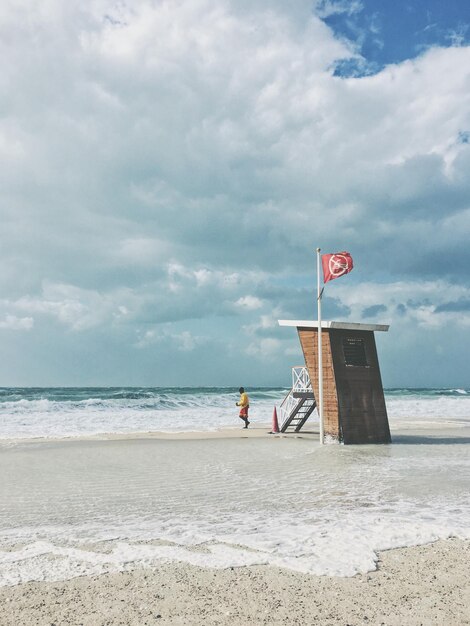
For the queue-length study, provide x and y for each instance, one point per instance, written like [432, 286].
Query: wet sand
[256, 430]
[424, 585]
[253, 431]
[420, 585]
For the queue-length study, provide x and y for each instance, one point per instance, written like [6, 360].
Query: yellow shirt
[244, 400]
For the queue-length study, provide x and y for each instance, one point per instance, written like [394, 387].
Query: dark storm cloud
[460, 305]
[372, 311]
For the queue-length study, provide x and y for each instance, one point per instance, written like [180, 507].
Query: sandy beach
[422, 585]
[233, 527]
[221, 219]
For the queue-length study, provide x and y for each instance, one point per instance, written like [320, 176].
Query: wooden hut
[354, 410]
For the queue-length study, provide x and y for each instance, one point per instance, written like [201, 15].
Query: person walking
[244, 404]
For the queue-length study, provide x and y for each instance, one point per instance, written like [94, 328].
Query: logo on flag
[336, 265]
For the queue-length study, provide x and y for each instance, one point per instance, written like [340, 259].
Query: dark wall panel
[361, 403]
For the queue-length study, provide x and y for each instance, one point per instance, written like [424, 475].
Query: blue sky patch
[385, 32]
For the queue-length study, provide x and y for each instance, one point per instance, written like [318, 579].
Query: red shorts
[244, 411]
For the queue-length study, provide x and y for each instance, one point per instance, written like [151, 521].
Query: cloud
[178, 163]
[264, 348]
[11, 322]
[372, 311]
[425, 304]
[78, 309]
[326, 8]
[249, 303]
[219, 154]
[184, 341]
[459, 306]
[458, 36]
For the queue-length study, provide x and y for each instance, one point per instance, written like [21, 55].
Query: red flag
[335, 265]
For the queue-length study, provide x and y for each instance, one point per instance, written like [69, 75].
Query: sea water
[76, 507]
[68, 412]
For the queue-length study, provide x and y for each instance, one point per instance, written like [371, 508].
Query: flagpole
[320, 355]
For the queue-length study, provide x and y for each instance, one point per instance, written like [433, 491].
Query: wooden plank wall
[354, 408]
[309, 342]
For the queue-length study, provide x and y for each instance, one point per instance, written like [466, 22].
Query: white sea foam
[70, 412]
[169, 413]
[436, 408]
[93, 507]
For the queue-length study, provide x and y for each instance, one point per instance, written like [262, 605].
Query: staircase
[299, 403]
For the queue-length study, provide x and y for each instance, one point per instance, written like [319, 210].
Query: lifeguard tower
[354, 410]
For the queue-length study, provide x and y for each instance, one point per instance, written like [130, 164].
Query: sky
[168, 168]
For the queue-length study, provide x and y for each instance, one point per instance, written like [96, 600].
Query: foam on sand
[78, 508]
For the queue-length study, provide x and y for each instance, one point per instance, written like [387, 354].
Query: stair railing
[300, 382]
[287, 406]
[301, 379]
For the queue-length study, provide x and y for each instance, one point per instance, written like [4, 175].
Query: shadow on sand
[429, 440]
[415, 440]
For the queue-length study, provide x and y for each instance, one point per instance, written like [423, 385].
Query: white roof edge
[340, 325]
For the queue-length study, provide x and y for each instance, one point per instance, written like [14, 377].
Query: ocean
[71, 506]
[81, 411]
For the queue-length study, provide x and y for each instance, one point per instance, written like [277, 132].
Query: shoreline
[427, 584]
[256, 430]
[232, 432]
